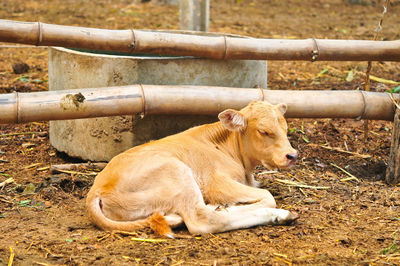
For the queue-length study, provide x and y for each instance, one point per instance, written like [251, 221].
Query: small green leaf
[322, 72]
[350, 76]
[306, 140]
[2, 216]
[393, 248]
[396, 89]
[40, 203]
[24, 203]
[69, 240]
[24, 78]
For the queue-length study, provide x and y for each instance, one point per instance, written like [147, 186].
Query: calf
[183, 178]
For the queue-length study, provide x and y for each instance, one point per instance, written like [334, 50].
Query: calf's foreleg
[207, 219]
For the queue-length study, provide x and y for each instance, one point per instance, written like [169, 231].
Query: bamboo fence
[156, 99]
[213, 47]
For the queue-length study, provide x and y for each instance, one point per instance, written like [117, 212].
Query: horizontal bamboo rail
[213, 47]
[156, 99]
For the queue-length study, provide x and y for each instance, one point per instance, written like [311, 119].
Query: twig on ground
[283, 258]
[299, 185]
[77, 173]
[50, 252]
[179, 263]
[30, 245]
[103, 237]
[32, 165]
[77, 166]
[302, 191]
[2, 198]
[395, 102]
[267, 172]
[352, 177]
[151, 240]
[7, 181]
[19, 133]
[43, 168]
[363, 156]
[11, 259]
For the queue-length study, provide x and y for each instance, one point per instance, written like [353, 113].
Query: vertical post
[169, 2]
[194, 15]
[393, 169]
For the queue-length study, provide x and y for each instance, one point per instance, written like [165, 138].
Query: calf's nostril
[291, 156]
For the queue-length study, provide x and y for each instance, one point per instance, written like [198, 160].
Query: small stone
[29, 189]
[42, 134]
[20, 68]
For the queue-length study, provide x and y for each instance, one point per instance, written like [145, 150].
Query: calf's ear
[282, 107]
[232, 120]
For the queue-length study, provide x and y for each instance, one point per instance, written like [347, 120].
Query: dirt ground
[343, 220]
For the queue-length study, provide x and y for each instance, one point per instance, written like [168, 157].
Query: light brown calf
[182, 178]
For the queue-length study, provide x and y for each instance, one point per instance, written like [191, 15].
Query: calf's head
[263, 132]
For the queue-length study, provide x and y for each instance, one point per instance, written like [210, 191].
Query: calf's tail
[156, 221]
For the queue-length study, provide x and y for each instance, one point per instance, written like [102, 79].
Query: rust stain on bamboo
[72, 102]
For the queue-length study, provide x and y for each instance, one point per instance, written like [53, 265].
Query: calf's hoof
[290, 219]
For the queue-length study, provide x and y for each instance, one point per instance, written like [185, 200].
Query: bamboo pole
[156, 99]
[213, 47]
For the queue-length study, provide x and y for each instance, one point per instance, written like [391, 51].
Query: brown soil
[349, 222]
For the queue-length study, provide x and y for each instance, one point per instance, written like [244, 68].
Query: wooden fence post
[393, 169]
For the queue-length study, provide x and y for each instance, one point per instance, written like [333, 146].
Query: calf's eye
[264, 133]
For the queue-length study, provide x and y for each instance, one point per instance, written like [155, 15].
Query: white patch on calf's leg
[173, 220]
[260, 216]
[207, 219]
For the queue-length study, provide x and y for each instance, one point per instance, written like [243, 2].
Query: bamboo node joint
[39, 34]
[17, 106]
[364, 111]
[315, 51]
[225, 48]
[132, 45]
[143, 102]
